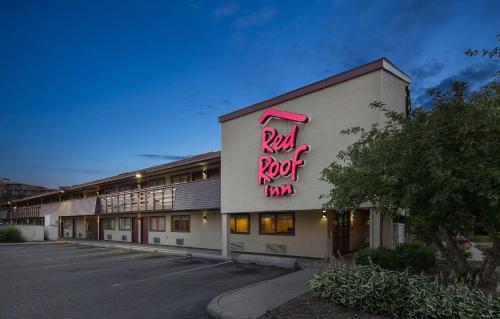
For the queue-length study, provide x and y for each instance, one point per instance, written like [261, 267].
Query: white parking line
[94, 261]
[170, 274]
[51, 252]
[99, 253]
[133, 265]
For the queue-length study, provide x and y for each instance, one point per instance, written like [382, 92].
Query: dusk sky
[90, 89]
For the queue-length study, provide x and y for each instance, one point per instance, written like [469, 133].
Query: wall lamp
[138, 175]
[205, 217]
[324, 213]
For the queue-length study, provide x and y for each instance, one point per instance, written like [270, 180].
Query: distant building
[16, 190]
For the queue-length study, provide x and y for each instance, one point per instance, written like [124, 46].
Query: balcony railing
[141, 200]
[24, 212]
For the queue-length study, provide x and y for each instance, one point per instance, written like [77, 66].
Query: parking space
[72, 281]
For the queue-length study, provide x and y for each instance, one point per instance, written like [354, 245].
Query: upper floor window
[182, 178]
[197, 176]
[277, 223]
[214, 172]
[157, 182]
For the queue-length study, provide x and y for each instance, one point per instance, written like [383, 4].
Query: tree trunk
[452, 246]
[446, 253]
[491, 261]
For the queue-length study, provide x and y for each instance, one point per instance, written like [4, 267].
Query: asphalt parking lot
[73, 281]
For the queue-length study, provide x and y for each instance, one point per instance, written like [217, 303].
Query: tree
[441, 168]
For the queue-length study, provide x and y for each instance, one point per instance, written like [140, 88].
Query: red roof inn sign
[273, 142]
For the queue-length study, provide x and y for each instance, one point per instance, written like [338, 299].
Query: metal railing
[24, 212]
[140, 200]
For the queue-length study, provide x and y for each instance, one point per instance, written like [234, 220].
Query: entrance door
[92, 228]
[135, 230]
[144, 230]
[341, 232]
[101, 228]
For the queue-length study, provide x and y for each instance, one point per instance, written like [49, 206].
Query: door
[144, 230]
[92, 228]
[341, 232]
[101, 228]
[135, 230]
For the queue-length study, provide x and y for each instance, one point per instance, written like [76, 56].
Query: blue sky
[90, 89]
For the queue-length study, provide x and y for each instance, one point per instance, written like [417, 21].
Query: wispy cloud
[256, 18]
[226, 9]
[171, 157]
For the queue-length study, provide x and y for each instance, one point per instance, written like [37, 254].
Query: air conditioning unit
[156, 240]
[276, 249]
[237, 246]
[79, 235]
[179, 241]
[124, 237]
[110, 237]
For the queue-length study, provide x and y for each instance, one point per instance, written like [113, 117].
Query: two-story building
[259, 195]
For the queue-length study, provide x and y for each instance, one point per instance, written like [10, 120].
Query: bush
[416, 257]
[10, 234]
[401, 294]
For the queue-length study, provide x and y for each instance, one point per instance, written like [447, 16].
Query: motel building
[259, 195]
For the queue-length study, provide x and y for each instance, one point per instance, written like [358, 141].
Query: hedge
[10, 234]
[401, 294]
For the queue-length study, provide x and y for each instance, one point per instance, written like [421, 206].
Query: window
[182, 178]
[124, 223]
[214, 173]
[68, 223]
[157, 223]
[240, 223]
[181, 223]
[197, 176]
[277, 224]
[157, 182]
[109, 224]
[124, 188]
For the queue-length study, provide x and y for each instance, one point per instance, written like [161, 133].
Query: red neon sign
[273, 142]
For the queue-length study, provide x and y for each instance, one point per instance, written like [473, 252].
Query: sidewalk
[180, 251]
[255, 300]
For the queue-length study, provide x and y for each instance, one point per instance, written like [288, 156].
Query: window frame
[180, 175]
[276, 214]
[129, 223]
[172, 224]
[158, 218]
[240, 215]
[106, 223]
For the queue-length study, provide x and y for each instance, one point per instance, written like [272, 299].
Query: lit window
[277, 224]
[240, 223]
[157, 223]
[124, 223]
[181, 223]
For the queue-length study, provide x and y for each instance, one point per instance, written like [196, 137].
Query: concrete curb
[27, 243]
[261, 297]
[150, 249]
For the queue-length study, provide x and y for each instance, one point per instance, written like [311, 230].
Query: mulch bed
[306, 307]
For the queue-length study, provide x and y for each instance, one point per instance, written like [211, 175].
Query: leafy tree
[441, 168]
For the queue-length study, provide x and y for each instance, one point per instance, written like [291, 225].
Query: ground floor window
[277, 223]
[109, 224]
[240, 223]
[68, 223]
[181, 223]
[157, 223]
[124, 223]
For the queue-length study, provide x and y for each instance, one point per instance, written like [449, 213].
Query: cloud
[226, 9]
[427, 70]
[256, 18]
[475, 76]
[163, 156]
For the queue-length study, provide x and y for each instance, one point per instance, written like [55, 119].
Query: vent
[67, 234]
[80, 235]
[124, 237]
[276, 249]
[156, 240]
[179, 241]
[237, 246]
[110, 237]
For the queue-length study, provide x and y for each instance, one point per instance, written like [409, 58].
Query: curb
[27, 243]
[150, 249]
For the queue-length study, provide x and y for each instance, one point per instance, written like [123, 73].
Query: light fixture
[324, 213]
[138, 175]
[205, 217]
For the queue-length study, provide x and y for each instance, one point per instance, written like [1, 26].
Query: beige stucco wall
[310, 239]
[80, 228]
[203, 234]
[330, 110]
[117, 233]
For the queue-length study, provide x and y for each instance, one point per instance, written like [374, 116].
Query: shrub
[414, 256]
[10, 234]
[401, 294]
